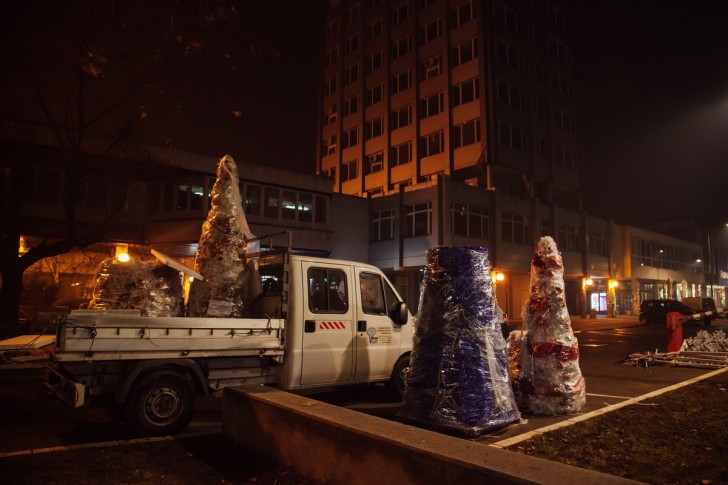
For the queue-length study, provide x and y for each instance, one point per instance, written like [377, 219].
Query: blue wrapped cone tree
[458, 378]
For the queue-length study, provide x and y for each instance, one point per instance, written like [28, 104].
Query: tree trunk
[12, 287]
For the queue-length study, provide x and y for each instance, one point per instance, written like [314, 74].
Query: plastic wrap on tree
[550, 380]
[152, 288]
[220, 257]
[458, 377]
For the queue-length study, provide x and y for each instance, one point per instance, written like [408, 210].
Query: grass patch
[678, 437]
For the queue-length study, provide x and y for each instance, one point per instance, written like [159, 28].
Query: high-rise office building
[479, 90]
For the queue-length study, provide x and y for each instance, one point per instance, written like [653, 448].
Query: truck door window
[372, 294]
[327, 291]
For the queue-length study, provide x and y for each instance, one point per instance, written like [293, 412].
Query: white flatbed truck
[319, 322]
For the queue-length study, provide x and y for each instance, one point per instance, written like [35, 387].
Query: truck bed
[95, 335]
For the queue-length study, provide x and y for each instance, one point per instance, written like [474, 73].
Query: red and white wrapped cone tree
[550, 380]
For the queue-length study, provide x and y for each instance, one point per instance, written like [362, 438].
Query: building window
[401, 81]
[374, 62]
[430, 31]
[598, 244]
[330, 86]
[461, 14]
[543, 148]
[288, 206]
[511, 95]
[350, 138]
[466, 133]
[401, 117]
[568, 238]
[253, 194]
[351, 44]
[374, 94]
[538, 72]
[431, 67]
[432, 144]
[351, 14]
[401, 13]
[508, 55]
[540, 109]
[469, 220]
[512, 136]
[332, 28]
[565, 157]
[401, 47]
[375, 163]
[546, 228]
[332, 56]
[382, 225]
[373, 128]
[465, 52]
[190, 194]
[401, 154]
[271, 202]
[559, 50]
[329, 115]
[349, 170]
[556, 16]
[507, 17]
[465, 92]
[351, 105]
[419, 219]
[515, 228]
[431, 105]
[329, 145]
[375, 29]
[305, 207]
[564, 120]
[351, 74]
[560, 84]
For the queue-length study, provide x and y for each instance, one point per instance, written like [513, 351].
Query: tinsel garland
[458, 376]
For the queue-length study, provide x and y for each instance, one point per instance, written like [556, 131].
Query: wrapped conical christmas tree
[220, 257]
[550, 380]
[458, 377]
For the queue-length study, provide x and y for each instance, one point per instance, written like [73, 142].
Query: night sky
[652, 113]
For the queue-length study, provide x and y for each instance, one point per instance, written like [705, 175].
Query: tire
[398, 382]
[161, 403]
[643, 320]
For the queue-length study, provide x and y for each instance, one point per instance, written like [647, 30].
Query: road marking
[576, 419]
[101, 444]
[607, 395]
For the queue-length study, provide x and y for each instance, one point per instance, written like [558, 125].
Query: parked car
[655, 311]
[699, 304]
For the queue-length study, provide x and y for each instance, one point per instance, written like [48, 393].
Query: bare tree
[83, 77]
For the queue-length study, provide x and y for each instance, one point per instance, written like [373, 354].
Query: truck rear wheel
[397, 383]
[161, 403]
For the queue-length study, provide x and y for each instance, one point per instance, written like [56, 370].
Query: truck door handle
[361, 326]
[309, 326]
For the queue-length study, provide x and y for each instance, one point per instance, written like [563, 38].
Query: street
[31, 420]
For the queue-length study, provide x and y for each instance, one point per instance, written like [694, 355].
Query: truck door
[378, 337]
[327, 352]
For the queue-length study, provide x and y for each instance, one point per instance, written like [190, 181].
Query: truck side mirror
[401, 315]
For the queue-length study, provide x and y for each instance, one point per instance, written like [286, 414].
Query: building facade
[477, 90]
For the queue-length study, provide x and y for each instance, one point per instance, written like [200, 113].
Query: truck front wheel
[161, 403]
[398, 381]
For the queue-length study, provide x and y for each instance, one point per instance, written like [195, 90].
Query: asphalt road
[30, 420]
